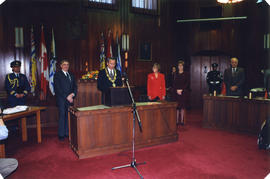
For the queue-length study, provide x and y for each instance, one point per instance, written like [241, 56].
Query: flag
[102, 57]
[118, 63]
[33, 65]
[223, 89]
[109, 53]
[52, 65]
[44, 67]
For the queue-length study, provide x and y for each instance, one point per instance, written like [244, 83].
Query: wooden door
[200, 66]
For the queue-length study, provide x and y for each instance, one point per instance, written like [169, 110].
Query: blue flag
[118, 62]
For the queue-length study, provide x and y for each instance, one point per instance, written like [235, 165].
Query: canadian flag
[109, 53]
[44, 67]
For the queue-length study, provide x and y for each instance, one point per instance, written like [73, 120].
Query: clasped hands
[233, 88]
[179, 91]
[70, 97]
[19, 95]
[150, 98]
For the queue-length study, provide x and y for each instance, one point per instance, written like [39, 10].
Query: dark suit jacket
[104, 83]
[1, 105]
[237, 79]
[63, 86]
[267, 80]
[268, 84]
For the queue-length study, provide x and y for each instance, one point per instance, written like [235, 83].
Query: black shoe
[66, 136]
[61, 138]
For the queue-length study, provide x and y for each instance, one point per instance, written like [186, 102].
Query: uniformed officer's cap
[15, 64]
[214, 65]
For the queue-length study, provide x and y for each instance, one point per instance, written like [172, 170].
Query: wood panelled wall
[77, 29]
[240, 38]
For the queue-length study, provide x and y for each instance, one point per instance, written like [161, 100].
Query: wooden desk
[237, 114]
[35, 110]
[95, 131]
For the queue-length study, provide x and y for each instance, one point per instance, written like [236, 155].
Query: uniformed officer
[214, 79]
[17, 85]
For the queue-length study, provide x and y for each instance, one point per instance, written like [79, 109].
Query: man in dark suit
[65, 90]
[17, 85]
[234, 78]
[109, 77]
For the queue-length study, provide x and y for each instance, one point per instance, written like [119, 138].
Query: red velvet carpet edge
[199, 153]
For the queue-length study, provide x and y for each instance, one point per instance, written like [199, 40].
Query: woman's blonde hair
[181, 62]
[157, 66]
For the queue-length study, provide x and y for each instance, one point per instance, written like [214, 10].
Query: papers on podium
[15, 109]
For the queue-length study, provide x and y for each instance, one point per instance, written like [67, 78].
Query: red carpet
[199, 153]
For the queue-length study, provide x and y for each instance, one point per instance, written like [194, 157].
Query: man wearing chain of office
[16, 85]
[109, 77]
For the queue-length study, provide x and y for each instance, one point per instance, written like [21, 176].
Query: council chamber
[134, 89]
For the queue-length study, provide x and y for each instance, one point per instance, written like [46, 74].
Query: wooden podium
[117, 96]
[88, 94]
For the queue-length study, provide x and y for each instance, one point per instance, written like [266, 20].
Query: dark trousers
[214, 88]
[63, 118]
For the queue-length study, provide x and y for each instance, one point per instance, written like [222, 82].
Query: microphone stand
[133, 163]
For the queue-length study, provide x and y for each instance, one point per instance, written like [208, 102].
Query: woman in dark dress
[181, 90]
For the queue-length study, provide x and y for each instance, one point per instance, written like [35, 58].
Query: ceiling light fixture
[1, 1]
[228, 1]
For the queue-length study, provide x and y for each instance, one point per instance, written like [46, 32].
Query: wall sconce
[125, 42]
[1, 1]
[18, 37]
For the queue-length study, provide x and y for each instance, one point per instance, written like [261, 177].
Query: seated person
[7, 165]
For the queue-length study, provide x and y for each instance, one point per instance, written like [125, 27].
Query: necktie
[233, 71]
[68, 76]
[111, 74]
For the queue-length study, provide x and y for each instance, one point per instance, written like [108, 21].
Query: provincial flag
[44, 67]
[33, 65]
[52, 65]
[102, 57]
[118, 63]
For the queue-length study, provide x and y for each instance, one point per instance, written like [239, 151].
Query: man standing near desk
[109, 77]
[17, 85]
[65, 90]
[234, 78]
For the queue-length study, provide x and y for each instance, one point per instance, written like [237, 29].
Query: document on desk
[15, 109]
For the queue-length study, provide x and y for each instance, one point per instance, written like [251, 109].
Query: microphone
[124, 75]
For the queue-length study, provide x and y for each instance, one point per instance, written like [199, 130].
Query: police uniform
[214, 80]
[16, 84]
